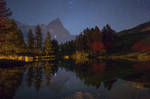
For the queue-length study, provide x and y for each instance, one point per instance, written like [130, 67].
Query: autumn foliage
[141, 46]
[96, 40]
[97, 46]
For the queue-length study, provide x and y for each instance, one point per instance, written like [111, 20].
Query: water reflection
[39, 73]
[65, 79]
[10, 80]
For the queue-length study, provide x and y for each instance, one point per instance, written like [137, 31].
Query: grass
[135, 56]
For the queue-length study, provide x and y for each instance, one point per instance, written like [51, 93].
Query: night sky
[77, 15]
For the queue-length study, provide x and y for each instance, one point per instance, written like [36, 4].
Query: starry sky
[77, 15]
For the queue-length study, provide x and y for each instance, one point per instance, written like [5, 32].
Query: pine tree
[55, 45]
[38, 37]
[48, 47]
[4, 14]
[13, 41]
[14, 38]
[109, 36]
[11, 38]
[30, 39]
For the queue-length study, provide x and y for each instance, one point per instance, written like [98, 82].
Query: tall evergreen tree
[30, 39]
[109, 36]
[4, 14]
[48, 47]
[55, 45]
[13, 40]
[38, 37]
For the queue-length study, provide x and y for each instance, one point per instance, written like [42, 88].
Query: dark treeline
[94, 41]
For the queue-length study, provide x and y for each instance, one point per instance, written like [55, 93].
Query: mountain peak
[56, 21]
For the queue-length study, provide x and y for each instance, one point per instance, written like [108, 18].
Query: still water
[67, 80]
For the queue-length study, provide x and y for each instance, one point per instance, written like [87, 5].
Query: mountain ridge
[136, 38]
[138, 28]
[55, 27]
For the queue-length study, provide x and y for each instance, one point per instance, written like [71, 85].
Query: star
[55, 36]
[70, 4]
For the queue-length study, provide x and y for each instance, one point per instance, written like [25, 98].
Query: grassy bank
[134, 56]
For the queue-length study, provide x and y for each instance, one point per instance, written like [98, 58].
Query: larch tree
[14, 41]
[11, 38]
[48, 47]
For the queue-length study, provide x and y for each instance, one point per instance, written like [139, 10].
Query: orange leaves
[97, 46]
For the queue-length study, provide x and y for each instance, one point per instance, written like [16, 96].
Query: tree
[55, 45]
[11, 38]
[90, 40]
[109, 36]
[13, 41]
[82, 42]
[38, 37]
[30, 39]
[48, 47]
[4, 14]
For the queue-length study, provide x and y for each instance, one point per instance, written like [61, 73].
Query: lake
[68, 80]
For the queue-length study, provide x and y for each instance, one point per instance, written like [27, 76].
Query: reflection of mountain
[140, 80]
[55, 27]
[10, 80]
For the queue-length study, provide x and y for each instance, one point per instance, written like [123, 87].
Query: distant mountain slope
[134, 39]
[140, 28]
[56, 28]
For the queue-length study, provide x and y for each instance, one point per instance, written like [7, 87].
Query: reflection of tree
[37, 73]
[92, 74]
[48, 69]
[10, 80]
[30, 76]
[38, 78]
[34, 75]
[81, 95]
[109, 84]
[140, 80]
[100, 73]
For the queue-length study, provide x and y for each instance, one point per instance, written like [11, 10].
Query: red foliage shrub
[97, 46]
[141, 46]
